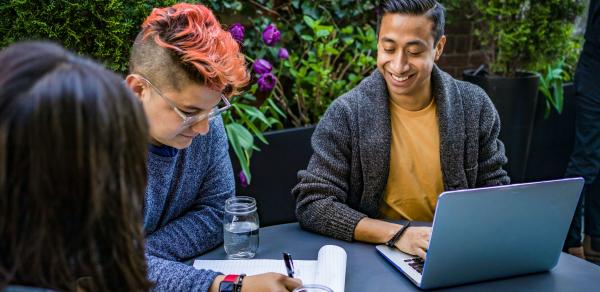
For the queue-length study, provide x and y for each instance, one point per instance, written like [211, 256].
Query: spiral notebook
[329, 269]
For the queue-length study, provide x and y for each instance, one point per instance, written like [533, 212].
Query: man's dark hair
[429, 8]
[73, 146]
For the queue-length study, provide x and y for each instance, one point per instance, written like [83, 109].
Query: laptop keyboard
[416, 263]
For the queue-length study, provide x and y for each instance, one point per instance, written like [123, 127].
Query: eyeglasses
[190, 119]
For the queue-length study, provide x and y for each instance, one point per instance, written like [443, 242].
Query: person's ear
[439, 47]
[136, 85]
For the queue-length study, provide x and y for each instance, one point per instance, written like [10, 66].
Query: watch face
[226, 286]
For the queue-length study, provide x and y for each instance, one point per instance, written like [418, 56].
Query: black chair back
[274, 173]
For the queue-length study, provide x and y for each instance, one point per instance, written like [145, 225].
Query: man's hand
[415, 241]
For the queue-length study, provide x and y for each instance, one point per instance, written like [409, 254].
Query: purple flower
[243, 179]
[237, 32]
[271, 35]
[283, 54]
[266, 82]
[262, 66]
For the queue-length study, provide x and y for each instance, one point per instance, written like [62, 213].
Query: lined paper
[329, 269]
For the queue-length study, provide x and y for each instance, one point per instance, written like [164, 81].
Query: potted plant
[554, 123]
[520, 38]
[303, 55]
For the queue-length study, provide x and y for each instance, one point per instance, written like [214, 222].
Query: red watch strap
[231, 278]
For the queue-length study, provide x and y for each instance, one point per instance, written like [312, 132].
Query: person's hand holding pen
[268, 282]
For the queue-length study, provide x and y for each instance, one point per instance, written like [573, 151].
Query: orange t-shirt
[415, 179]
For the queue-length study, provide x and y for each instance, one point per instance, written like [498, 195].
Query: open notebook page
[329, 269]
[305, 270]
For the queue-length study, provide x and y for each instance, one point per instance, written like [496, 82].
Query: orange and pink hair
[193, 33]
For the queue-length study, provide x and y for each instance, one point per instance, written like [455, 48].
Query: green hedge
[101, 29]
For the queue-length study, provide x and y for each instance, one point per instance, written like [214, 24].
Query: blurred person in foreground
[73, 142]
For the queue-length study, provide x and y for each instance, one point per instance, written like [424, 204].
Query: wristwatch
[232, 283]
[228, 284]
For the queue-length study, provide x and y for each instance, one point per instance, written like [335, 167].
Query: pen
[289, 264]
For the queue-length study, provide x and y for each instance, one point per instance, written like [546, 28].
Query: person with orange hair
[183, 68]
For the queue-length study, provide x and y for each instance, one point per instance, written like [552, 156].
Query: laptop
[494, 232]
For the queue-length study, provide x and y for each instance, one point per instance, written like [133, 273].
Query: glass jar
[240, 228]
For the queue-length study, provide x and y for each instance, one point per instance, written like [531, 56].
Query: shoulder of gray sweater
[473, 94]
[473, 97]
[369, 88]
[476, 102]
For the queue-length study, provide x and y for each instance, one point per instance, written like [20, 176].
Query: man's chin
[400, 91]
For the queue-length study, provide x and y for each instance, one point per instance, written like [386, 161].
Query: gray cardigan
[348, 171]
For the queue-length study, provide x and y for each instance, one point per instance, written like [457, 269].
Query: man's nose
[399, 63]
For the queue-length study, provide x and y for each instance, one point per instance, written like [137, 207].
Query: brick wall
[462, 50]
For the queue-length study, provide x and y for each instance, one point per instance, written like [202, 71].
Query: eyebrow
[410, 43]
[387, 40]
[416, 43]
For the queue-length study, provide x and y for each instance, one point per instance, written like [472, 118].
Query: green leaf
[241, 155]
[274, 121]
[307, 37]
[241, 134]
[322, 33]
[254, 113]
[559, 97]
[274, 107]
[331, 50]
[249, 97]
[259, 135]
[235, 5]
[242, 111]
[348, 30]
[309, 21]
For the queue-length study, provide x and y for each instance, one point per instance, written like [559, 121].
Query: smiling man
[405, 134]
[183, 68]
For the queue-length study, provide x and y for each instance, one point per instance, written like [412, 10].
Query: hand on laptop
[415, 241]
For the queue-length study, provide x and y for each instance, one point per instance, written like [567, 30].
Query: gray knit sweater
[183, 211]
[347, 174]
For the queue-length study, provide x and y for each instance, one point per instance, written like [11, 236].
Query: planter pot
[516, 101]
[552, 140]
[274, 173]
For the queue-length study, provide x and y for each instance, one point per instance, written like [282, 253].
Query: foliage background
[331, 43]
[526, 34]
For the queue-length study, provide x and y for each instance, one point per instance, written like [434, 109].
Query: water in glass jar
[241, 239]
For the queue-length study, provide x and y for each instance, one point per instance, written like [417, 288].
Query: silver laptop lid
[494, 232]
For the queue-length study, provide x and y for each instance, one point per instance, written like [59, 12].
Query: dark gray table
[366, 270]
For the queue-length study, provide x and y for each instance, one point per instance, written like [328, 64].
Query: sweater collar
[375, 130]
[163, 150]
